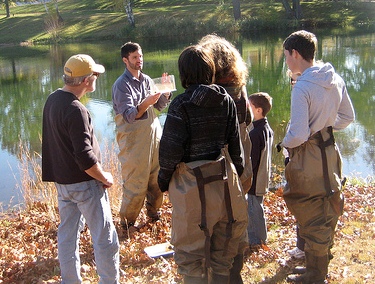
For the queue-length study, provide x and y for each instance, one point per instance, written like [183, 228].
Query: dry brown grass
[28, 247]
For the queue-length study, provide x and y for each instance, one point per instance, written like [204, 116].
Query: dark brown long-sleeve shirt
[69, 146]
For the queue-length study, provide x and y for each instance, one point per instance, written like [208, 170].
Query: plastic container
[164, 84]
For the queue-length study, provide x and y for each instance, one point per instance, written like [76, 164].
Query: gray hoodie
[319, 99]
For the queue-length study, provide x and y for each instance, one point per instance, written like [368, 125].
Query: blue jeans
[79, 203]
[256, 228]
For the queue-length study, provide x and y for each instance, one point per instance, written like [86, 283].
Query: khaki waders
[139, 157]
[209, 218]
[313, 195]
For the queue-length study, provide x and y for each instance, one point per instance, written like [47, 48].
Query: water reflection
[102, 117]
[29, 74]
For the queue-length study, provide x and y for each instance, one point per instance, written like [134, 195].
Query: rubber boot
[235, 272]
[219, 279]
[302, 269]
[316, 270]
[195, 280]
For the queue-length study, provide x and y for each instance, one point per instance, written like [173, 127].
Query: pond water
[29, 73]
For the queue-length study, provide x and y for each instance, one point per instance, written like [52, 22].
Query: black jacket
[200, 122]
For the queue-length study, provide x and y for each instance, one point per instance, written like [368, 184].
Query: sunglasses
[96, 74]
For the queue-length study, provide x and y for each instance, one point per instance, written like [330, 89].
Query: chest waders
[201, 182]
[335, 198]
[314, 197]
[139, 157]
[209, 216]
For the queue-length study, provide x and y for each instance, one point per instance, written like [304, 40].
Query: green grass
[94, 20]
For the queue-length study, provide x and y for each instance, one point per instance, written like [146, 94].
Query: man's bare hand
[152, 99]
[108, 182]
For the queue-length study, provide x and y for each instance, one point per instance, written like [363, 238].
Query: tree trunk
[236, 9]
[45, 6]
[7, 8]
[297, 9]
[59, 18]
[287, 8]
[128, 5]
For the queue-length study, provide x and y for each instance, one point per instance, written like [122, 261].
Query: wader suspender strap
[201, 181]
[322, 145]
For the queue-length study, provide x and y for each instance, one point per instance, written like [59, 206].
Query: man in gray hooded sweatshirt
[320, 104]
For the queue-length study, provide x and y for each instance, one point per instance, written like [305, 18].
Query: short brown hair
[196, 66]
[128, 48]
[304, 42]
[262, 100]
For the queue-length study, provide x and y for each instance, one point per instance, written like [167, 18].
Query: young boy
[261, 136]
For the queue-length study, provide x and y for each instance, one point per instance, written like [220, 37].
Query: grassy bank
[28, 237]
[97, 20]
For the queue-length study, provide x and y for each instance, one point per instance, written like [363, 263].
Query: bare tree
[60, 19]
[53, 20]
[6, 3]
[128, 5]
[45, 6]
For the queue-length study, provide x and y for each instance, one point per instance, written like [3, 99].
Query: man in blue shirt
[138, 136]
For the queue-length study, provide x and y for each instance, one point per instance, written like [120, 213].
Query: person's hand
[168, 95]
[152, 99]
[164, 78]
[108, 182]
[278, 147]
[285, 153]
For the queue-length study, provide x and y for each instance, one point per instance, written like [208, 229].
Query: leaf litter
[28, 245]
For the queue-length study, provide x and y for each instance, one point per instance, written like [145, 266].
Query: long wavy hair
[231, 69]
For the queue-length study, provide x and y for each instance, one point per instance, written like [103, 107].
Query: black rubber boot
[235, 272]
[219, 279]
[195, 280]
[316, 270]
[302, 269]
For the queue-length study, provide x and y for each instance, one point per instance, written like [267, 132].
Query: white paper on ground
[163, 249]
